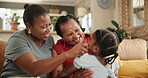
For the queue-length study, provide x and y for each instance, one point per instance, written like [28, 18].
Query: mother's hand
[77, 50]
[83, 73]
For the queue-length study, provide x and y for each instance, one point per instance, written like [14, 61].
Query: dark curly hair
[108, 43]
[32, 11]
[62, 20]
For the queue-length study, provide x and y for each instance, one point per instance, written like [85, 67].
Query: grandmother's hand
[77, 50]
[83, 73]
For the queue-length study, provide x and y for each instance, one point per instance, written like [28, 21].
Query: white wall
[101, 18]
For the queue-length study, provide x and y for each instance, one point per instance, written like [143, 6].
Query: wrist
[66, 54]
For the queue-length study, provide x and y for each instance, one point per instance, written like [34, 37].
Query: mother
[28, 52]
[68, 28]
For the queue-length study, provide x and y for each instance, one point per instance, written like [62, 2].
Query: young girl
[103, 45]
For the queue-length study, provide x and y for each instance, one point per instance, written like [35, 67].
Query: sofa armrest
[2, 51]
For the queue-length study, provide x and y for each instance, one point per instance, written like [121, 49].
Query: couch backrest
[2, 51]
[132, 49]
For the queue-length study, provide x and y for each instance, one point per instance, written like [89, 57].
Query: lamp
[81, 11]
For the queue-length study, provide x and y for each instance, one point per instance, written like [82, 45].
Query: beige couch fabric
[132, 49]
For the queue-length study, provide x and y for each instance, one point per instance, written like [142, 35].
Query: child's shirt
[91, 62]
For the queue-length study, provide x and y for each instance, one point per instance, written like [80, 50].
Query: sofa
[132, 59]
[2, 51]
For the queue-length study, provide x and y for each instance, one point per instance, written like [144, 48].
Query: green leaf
[121, 31]
[111, 29]
[115, 24]
[13, 18]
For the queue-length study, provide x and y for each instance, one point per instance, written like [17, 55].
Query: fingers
[87, 73]
[84, 48]
[78, 50]
[83, 52]
[84, 73]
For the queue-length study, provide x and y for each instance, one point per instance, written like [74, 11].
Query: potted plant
[54, 20]
[121, 33]
[14, 21]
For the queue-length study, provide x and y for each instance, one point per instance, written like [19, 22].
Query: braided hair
[63, 20]
[108, 43]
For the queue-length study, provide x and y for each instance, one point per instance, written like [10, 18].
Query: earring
[29, 31]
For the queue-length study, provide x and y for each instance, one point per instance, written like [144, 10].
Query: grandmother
[68, 28]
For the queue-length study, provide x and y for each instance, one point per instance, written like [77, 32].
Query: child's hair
[32, 11]
[108, 43]
[63, 20]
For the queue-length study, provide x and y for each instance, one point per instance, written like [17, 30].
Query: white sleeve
[82, 61]
[115, 66]
[111, 73]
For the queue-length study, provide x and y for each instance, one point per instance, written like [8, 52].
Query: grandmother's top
[61, 47]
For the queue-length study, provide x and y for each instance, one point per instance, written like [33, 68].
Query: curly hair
[63, 20]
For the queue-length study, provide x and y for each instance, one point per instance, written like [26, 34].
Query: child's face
[91, 44]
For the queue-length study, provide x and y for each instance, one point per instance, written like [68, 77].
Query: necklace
[38, 43]
[34, 39]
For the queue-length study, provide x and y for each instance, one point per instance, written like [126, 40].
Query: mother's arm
[58, 70]
[28, 62]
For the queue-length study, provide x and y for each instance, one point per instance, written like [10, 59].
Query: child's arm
[68, 70]
[116, 68]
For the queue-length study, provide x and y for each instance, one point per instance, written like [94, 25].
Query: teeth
[46, 35]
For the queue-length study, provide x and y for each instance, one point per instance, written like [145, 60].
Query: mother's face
[41, 27]
[71, 32]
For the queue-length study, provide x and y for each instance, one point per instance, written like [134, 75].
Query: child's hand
[116, 73]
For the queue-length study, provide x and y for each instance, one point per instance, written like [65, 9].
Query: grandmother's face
[41, 27]
[71, 32]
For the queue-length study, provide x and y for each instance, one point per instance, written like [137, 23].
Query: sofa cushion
[134, 69]
[132, 49]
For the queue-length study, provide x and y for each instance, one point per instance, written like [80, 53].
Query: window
[86, 22]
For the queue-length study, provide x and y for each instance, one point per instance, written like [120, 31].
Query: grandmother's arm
[68, 70]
